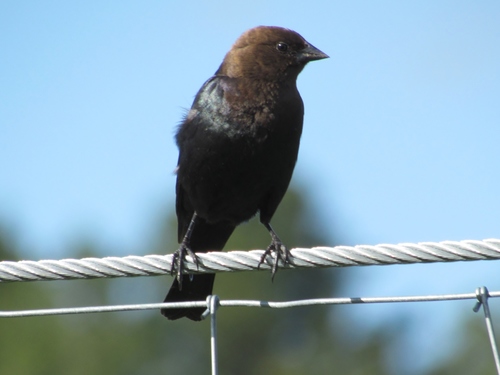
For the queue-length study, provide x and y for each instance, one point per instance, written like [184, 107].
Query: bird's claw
[282, 253]
[177, 267]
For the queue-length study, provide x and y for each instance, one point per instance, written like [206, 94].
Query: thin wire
[95, 309]
[482, 296]
[242, 303]
[213, 303]
[339, 256]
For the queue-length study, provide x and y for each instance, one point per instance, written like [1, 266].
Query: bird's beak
[311, 53]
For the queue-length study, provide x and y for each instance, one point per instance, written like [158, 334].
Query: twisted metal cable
[339, 256]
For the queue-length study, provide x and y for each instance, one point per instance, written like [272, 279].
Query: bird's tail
[205, 237]
[194, 288]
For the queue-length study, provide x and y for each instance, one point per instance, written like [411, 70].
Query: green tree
[474, 355]
[251, 340]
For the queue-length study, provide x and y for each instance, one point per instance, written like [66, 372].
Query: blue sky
[402, 126]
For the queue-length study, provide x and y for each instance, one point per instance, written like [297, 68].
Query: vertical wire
[213, 304]
[482, 297]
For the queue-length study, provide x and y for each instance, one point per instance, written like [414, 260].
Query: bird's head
[269, 53]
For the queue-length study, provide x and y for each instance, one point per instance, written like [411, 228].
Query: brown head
[269, 53]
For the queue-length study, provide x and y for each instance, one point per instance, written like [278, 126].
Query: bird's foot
[282, 253]
[178, 259]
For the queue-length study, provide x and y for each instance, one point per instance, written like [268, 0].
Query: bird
[238, 146]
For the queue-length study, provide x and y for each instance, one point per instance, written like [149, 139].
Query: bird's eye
[282, 47]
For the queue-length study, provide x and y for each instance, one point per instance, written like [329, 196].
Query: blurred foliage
[474, 356]
[307, 340]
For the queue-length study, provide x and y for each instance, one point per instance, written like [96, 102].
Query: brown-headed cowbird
[237, 149]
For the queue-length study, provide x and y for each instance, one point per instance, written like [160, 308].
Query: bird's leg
[282, 253]
[185, 248]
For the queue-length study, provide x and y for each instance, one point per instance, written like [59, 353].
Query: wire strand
[244, 303]
[339, 256]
